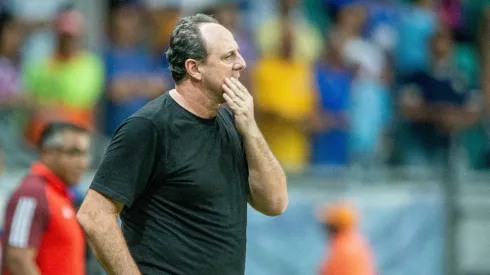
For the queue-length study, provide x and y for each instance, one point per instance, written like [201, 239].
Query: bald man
[181, 170]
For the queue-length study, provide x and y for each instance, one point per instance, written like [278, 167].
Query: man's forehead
[74, 137]
[217, 37]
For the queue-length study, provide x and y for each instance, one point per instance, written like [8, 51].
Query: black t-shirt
[184, 183]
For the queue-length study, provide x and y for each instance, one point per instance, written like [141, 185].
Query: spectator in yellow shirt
[284, 101]
[307, 40]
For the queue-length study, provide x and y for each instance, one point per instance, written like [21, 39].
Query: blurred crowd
[335, 82]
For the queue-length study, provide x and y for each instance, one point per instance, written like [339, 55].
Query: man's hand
[267, 181]
[241, 103]
[98, 218]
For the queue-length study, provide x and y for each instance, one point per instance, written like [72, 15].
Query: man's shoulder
[153, 116]
[155, 110]
[31, 186]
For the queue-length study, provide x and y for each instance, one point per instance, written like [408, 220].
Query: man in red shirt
[42, 235]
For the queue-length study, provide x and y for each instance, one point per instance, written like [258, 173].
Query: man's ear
[192, 68]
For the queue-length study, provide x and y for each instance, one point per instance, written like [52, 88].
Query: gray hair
[186, 42]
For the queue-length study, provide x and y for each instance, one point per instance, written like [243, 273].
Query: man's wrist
[253, 133]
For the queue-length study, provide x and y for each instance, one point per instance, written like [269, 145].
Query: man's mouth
[236, 76]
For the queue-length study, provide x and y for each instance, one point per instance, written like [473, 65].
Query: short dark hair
[186, 42]
[52, 130]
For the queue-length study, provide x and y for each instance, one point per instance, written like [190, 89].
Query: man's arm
[268, 187]
[456, 118]
[21, 261]
[98, 218]
[27, 217]
[120, 180]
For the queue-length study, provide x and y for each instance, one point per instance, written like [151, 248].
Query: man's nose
[240, 63]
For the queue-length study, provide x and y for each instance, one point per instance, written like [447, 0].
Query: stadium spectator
[132, 79]
[349, 252]
[11, 96]
[383, 20]
[11, 38]
[164, 15]
[306, 40]
[66, 85]
[329, 144]
[369, 100]
[42, 235]
[438, 102]
[284, 97]
[451, 14]
[417, 25]
[36, 17]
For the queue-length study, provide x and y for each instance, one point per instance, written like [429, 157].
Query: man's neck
[195, 100]
[65, 51]
[64, 55]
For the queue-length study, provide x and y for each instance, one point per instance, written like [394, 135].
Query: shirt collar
[53, 180]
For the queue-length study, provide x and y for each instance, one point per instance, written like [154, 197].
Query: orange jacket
[349, 254]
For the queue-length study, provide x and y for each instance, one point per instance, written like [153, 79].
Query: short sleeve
[27, 218]
[127, 165]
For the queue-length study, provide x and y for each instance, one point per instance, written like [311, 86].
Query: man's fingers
[239, 85]
[236, 90]
[229, 91]
[230, 102]
[232, 95]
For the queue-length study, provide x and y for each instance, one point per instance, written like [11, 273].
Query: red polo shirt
[40, 214]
